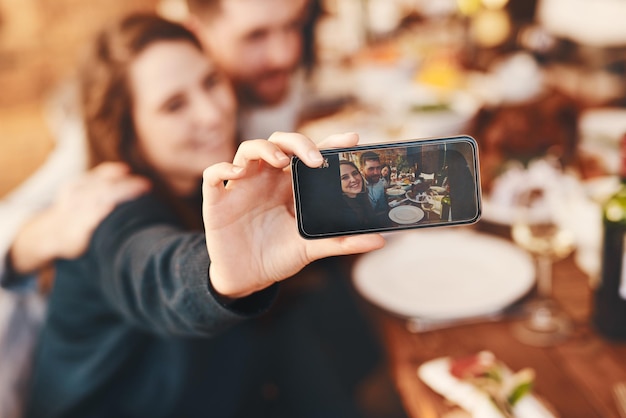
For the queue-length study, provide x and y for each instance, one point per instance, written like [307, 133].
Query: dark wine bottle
[446, 212]
[609, 309]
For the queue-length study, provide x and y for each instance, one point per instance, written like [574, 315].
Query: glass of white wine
[428, 204]
[540, 227]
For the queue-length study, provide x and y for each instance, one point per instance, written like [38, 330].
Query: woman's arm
[161, 278]
[156, 274]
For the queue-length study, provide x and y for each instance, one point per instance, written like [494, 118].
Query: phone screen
[387, 187]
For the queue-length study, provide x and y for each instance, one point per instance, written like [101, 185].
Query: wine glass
[540, 226]
[427, 205]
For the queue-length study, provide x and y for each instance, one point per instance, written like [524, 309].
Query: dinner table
[574, 378]
[407, 207]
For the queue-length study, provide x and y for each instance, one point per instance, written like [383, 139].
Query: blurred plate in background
[444, 274]
[601, 130]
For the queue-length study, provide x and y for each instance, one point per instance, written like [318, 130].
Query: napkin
[436, 374]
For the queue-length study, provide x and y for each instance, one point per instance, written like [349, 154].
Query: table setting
[443, 294]
[517, 287]
[409, 205]
[437, 295]
[440, 295]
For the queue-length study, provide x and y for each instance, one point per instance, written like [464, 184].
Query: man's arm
[65, 162]
[381, 206]
[63, 230]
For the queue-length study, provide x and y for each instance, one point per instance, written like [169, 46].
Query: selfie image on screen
[390, 188]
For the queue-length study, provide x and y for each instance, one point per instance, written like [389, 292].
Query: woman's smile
[351, 181]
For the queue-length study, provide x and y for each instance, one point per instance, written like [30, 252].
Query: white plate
[600, 189]
[406, 214]
[497, 214]
[395, 192]
[444, 274]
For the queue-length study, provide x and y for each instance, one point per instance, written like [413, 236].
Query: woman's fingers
[215, 176]
[277, 150]
[298, 144]
[281, 145]
[355, 244]
[260, 149]
[348, 139]
[307, 150]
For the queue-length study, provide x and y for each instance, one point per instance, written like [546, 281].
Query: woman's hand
[250, 227]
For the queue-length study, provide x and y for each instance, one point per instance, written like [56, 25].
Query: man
[369, 163]
[259, 45]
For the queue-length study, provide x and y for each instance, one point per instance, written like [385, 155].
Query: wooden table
[575, 377]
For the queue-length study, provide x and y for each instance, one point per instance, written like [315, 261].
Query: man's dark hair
[209, 8]
[368, 156]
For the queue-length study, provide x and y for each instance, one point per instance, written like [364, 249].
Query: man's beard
[253, 94]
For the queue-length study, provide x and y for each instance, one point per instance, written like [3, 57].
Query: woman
[128, 325]
[385, 173]
[357, 211]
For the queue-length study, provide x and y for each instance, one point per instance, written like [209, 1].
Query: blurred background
[39, 45]
[556, 68]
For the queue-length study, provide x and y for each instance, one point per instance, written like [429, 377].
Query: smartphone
[388, 187]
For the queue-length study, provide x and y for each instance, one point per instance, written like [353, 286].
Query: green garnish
[494, 373]
[434, 107]
[519, 392]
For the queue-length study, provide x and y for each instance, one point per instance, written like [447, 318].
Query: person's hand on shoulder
[64, 229]
[250, 227]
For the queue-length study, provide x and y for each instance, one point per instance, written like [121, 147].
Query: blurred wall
[39, 44]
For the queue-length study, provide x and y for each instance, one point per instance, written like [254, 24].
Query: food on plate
[510, 136]
[411, 195]
[492, 377]
[419, 197]
[420, 187]
[484, 386]
[437, 190]
[522, 131]
[395, 191]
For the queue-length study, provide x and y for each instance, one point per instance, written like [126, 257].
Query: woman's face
[184, 112]
[351, 180]
[384, 171]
